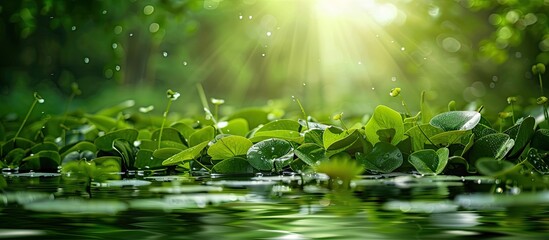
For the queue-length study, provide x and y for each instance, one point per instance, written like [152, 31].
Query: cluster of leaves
[247, 141]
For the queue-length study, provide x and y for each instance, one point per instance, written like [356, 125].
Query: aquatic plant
[455, 142]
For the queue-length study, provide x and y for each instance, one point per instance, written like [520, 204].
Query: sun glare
[332, 47]
[382, 13]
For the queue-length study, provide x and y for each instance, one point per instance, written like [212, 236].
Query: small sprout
[146, 109]
[38, 98]
[394, 92]
[338, 116]
[538, 68]
[172, 95]
[452, 105]
[541, 100]
[216, 101]
[504, 115]
[75, 89]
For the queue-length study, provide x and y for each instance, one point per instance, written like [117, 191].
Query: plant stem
[26, 118]
[425, 135]
[202, 96]
[545, 112]
[343, 124]
[164, 117]
[502, 121]
[204, 101]
[405, 106]
[540, 84]
[209, 170]
[216, 110]
[513, 112]
[303, 112]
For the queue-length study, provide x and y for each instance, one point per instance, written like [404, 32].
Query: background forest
[333, 55]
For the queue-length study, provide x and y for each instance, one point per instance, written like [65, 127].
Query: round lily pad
[270, 154]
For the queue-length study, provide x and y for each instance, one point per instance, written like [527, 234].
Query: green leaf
[44, 161]
[336, 141]
[495, 145]
[44, 146]
[144, 159]
[22, 143]
[170, 144]
[168, 134]
[521, 132]
[312, 125]
[459, 165]
[493, 167]
[468, 145]
[384, 158]
[238, 126]
[539, 161]
[229, 147]
[184, 129]
[340, 166]
[270, 154]
[254, 116]
[165, 153]
[235, 165]
[282, 124]
[448, 137]
[144, 134]
[14, 157]
[202, 135]
[288, 135]
[332, 135]
[106, 168]
[540, 139]
[149, 144]
[456, 120]
[429, 161]
[417, 134]
[310, 153]
[299, 166]
[79, 147]
[99, 169]
[106, 141]
[105, 123]
[314, 136]
[127, 152]
[481, 130]
[384, 118]
[186, 155]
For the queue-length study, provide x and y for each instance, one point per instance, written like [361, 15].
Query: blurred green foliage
[249, 51]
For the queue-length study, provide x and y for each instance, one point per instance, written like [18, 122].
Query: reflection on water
[380, 207]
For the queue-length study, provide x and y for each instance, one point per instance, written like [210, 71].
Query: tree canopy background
[333, 55]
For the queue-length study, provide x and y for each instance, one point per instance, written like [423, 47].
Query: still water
[395, 206]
